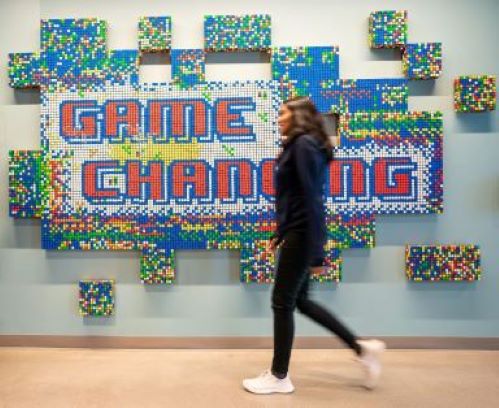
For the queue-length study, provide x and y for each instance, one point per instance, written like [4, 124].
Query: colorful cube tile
[475, 93]
[188, 67]
[155, 34]
[157, 266]
[28, 183]
[443, 263]
[422, 60]
[96, 297]
[301, 71]
[24, 70]
[237, 33]
[73, 53]
[387, 29]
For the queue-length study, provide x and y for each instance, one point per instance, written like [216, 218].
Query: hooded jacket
[300, 178]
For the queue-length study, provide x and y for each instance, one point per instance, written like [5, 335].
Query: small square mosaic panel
[96, 297]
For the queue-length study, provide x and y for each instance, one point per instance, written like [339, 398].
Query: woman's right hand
[272, 244]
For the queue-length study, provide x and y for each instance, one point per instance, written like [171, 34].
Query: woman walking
[300, 236]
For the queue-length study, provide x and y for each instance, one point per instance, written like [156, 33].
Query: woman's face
[284, 120]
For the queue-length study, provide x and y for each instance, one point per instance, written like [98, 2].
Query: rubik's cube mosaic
[190, 163]
[443, 263]
[28, 183]
[422, 60]
[96, 297]
[237, 33]
[475, 93]
[387, 29]
[188, 67]
[155, 34]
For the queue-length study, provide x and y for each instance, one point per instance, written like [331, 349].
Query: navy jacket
[300, 178]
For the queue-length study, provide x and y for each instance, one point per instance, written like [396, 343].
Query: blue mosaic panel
[188, 67]
[96, 298]
[422, 60]
[24, 70]
[443, 263]
[475, 93]
[301, 70]
[155, 34]
[237, 33]
[387, 29]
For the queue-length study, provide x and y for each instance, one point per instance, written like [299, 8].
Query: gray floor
[36, 377]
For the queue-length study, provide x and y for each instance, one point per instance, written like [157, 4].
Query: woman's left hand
[317, 270]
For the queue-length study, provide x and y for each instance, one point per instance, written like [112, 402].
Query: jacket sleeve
[309, 163]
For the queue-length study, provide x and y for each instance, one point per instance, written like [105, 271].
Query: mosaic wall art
[442, 263]
[475, 93]
[387, 29]
[155, 34]
[96, 297]
[422, 60]
[237, 33]
[189, 164]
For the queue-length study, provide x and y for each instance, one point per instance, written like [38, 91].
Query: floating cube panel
[303, 70]
[188, 67]
[422, 60]
[475, 93]
[443, 263]
[387, 29]
[24, 70]
[96, 297]
[157, 266]
[28, 183]
[237, 33]
[155, 34]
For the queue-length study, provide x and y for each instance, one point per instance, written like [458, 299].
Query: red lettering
[154, 180]
[179, 178]
[130, 117]
[88, 125]
[244, 175]
[402, 180]
[226, 120]
[357, 178]
[90, 180]
[177, 114]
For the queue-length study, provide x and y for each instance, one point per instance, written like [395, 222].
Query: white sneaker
[268, 383]
[370, 359]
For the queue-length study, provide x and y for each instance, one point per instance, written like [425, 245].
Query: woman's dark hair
[307, 120]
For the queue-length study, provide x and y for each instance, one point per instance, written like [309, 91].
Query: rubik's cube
[387, 29]
[475, 93]
[237, 33]
[422, 60]
[155, 34]
[443, 263]
[96, 297]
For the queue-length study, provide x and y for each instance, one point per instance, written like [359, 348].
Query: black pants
[290, 291]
